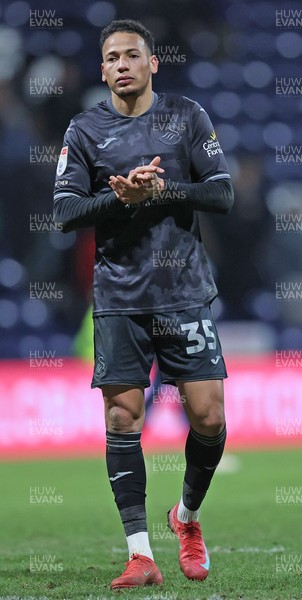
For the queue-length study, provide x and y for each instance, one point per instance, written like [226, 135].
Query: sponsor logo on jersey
[62, 164]
[212, 146]
[61, 182]
[106, 142]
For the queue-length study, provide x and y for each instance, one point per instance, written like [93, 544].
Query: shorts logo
[62, 164]
[215, 360]
[101, 367]
[171, 137]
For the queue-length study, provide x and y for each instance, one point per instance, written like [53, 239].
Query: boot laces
[131, 565]
[191, 533]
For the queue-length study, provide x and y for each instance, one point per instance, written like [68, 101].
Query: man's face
[127, 64]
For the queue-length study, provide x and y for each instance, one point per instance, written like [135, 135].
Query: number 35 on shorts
[208, 337]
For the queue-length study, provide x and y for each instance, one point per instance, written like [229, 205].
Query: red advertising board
[48, 408]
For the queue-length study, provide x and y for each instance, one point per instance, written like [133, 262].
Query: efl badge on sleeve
[62, 163]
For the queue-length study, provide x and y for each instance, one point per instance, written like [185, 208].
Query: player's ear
[102, 71]
[154, 64]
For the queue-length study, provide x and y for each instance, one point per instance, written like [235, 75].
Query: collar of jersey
[150, 109]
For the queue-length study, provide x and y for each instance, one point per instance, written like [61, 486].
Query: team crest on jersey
[171, 137]
[101, 367]
[62, 163]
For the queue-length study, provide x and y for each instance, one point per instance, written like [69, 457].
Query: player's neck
[133, 106]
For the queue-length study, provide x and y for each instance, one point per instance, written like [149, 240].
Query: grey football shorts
[185, 343]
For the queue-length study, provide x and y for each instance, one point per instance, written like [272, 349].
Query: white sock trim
[185, 515]
[138, 543]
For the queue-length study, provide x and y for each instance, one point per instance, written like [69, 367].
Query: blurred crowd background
[226, 55]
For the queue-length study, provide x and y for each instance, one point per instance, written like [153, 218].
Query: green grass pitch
[64, 540]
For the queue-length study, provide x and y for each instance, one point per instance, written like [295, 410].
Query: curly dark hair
[131, 26]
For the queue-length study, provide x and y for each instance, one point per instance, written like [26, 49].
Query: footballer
[140, 167]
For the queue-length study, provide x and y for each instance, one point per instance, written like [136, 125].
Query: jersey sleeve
[210, 189]
[207, 159]
[72, 176]
[74, 204]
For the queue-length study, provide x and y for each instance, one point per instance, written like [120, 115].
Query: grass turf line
[246, 531]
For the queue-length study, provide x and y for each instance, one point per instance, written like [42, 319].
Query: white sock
[138, 543]
[185, 515]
